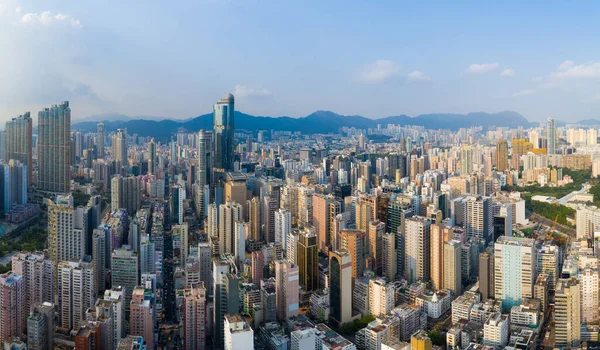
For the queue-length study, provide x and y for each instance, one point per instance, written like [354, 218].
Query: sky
[174, 59]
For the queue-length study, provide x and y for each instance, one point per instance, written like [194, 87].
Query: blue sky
[373, 58]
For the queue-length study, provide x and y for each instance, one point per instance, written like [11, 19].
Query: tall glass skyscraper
[54, 148]
[223, 141]
[551, 135]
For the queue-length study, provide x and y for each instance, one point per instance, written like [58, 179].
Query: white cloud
[379, 71]
[48, 18]
[244, 91]
[566, 65]
[418, 76]
[525, 92]
[568, 69]
[508, 72]
[482, 67]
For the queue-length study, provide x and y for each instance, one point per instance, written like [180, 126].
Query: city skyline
[423, 58]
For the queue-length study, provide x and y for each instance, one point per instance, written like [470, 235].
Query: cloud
[48, 18]
[482, 67]
[418, 76]
[379, 71]
[244, 91]
[525, 92]
[565, 65]
[508, 72]
[568, 69]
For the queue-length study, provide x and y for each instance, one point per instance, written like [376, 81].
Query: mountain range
[319, 122]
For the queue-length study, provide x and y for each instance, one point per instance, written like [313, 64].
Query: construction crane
[549, 236]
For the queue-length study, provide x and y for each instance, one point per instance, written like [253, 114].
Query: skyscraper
[515, 270]
[37, 273]
[125, 266]
[466, 160]
[376, 232]
[308, 260]
[355, 243]
[452, 267]
[417, 248]
[126, 193]
[287, 289]
[551, 135]
[437, 256]
[502, 155]
[67, 229]
[142, 315]
[54, 148]
[223, 141]
[100, 258]
[152, 157]
[568, 319]
[229, 213]
[40, 327]
[76, 292]
[204, 147]
[12, 316]
[340, 286]
[194, 317]
[119, 148]
[19, 141]
[100, 141]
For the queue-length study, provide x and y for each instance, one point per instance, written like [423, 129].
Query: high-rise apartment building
[226, 297]
[324, 210]
[466, 160]
[283, 226]
[67, 229]
[486, 275]
[119, 148]
[229, 214]
[514, 269]
[100, 137]
[12, 314]
[502, 155]
[567, 320]
[417, 235]
[40, 327]
[37, 273]
[389, 260]
[142, 316]
[19, 141]
[287, 289]
[551, 135]
[76, 291]
[125, 193]
[100, 254]
[375, 243]
[355, 243]
[195, 320]
[452, 267]
[152, 157]
[436, 256]
[54, 148]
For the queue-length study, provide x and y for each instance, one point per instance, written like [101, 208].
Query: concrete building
[37, 273]
[568, 314]
[229, 214]
[124, 263]
[76, 291]
[452, 267]
[514, 269]
[238, 334]
[287, 277]
[54, 148]
[195, 320]
[417, 235]
[340, 281]
[496, 330]
[126, 193]
[40, 327]
[382, 297]
[307, 258]
[12, 314]
[437, 256]
[355, 242]
[142, 315]
[119, 148]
